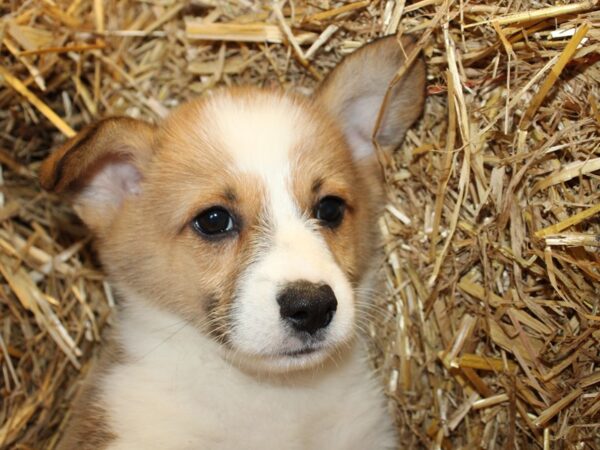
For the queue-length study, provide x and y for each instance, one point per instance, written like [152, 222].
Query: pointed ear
[354, 92]
[100, 167]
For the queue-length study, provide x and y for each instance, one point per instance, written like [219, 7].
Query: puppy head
[249, 214]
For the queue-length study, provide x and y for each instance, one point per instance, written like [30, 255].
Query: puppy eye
[213, 221]
[330, 211]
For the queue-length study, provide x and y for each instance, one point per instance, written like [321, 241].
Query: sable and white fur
[200, 356]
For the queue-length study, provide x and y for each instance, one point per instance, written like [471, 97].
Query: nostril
[307, 306]
[302, 315]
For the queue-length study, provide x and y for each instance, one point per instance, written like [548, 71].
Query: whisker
[160, 344]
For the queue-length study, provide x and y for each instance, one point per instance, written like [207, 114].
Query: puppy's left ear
[354, 92]
[100, 168]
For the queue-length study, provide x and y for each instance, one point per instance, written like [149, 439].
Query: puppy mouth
[301, 352]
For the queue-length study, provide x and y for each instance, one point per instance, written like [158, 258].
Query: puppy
[239, 235]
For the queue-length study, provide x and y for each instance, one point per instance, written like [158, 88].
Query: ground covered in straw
[489, 334]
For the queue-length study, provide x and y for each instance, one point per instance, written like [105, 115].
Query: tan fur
[336, 174]
[88, 428]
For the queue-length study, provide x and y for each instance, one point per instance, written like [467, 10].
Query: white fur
[177, 392]
[260, 136]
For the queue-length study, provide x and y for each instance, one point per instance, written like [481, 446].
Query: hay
[491, 325]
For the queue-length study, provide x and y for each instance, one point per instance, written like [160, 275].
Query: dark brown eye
[330, 211]
[213, 221]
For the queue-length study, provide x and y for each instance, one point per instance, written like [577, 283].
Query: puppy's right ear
[355, 90]
[100, 167]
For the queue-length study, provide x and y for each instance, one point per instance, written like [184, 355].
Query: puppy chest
[187, 406]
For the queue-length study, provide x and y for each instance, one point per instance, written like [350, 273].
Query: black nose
[307, 306]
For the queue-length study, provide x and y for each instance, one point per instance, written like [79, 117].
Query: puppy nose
[307, 306]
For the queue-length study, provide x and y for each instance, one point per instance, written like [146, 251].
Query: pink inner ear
[109, 185]
[360, 117]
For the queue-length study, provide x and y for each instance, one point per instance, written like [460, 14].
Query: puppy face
[250, 214]
[229, 219]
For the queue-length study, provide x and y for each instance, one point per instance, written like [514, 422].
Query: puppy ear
[100, 167]
[354, 92]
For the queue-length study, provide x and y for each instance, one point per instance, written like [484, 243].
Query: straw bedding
[489, 328]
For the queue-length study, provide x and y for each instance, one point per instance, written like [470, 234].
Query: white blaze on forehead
[260, 132]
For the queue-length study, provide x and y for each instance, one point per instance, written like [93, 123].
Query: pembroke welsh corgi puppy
[239, 234]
